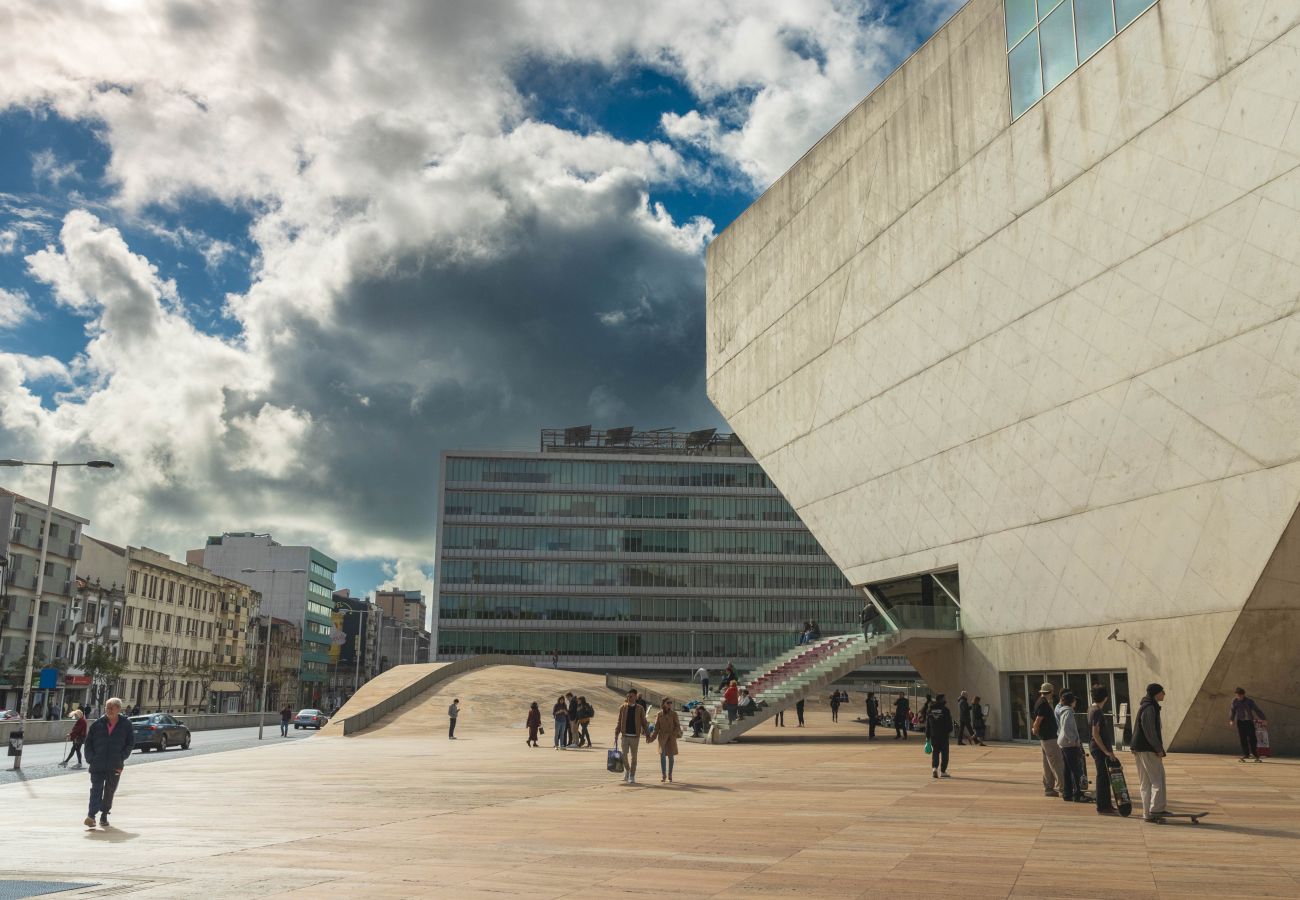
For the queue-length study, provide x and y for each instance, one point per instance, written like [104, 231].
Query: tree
[204, 673]
[103, 667]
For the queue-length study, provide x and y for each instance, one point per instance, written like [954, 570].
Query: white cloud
[14, 308]
[409, 574]
[8, 241]
[429, 265]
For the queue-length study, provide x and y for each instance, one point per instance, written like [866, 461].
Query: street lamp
[266, 643]
[26, 708]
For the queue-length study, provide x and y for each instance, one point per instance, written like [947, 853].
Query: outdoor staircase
[781, 682]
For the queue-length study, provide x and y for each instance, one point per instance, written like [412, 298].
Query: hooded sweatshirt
[1067, 728]
[1146, 731]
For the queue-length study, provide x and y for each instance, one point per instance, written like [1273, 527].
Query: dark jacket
[1245, 709]
[573, 710]
[1146, 731]
[534, 718]
[286, 714]
[938, 723]
[901, 707]
[873, 709]
[963, 710]
[108, 752]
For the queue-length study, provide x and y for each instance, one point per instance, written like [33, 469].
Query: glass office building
[628, 550]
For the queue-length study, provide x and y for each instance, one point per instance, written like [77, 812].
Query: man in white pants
[1149, 753]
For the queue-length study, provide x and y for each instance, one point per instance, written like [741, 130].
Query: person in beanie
[1244, 714]
[109, 741]
[1044, 728]
[1149, 753]
[938, 731]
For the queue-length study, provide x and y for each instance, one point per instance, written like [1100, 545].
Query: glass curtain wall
[1023, 693]
[929, 601]
[1049, 39]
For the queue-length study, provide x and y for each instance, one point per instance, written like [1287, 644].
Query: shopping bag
[614, 761]
[928, 748]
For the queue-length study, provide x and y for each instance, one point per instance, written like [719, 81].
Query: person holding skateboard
[1149, 754]
[1103, 748]
[1244, 714]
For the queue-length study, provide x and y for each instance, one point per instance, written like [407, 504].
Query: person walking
[666, 732]
[938, 731]
[78, 737]
[585, 714]
[628, 730]
[109, 742]
[977, 721]
[964, 724]
[1067, 738]
[560, 713]
[453, 712]
[902, 711]
[798, 712]
[286, 716]
[1045, 730]
[835, 706]
[1244, 714]
[867, 618]
[702, 676]
[873, 715]
[731, 701]
[1102, 730]
[533, 723]
[1149, 753]
[779, 718]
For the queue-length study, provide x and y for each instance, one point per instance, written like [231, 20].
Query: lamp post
[266, 642]
[40, 573]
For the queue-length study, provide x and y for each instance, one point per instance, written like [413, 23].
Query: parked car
[310, 718]
[158, 731]
[7, 714]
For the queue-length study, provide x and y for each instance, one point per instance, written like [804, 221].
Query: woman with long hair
[667, 730]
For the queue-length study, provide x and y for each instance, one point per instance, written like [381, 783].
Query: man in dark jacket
[964, 725]
[873, 715]
[1244, 714]
[1149, 753]
[109, 742]
[938, 731]
[902, 710]
[572, 737]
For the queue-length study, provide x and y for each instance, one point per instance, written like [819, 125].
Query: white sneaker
[944, 775]
[934, 773]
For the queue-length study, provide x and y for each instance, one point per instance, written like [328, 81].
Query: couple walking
[631, 727]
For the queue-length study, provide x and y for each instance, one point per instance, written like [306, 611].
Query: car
[158, 731]
[310, 718]
[8, 714]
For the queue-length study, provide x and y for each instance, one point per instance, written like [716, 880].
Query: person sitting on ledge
[699, 722]
[747, 705]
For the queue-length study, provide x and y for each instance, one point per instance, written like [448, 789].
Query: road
[41, 760]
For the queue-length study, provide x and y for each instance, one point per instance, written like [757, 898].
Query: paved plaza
[400, 811]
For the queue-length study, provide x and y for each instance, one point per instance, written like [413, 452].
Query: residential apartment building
[296, 584]
[21, 521]
[409, 606]
[98, 614]
[237, 611]
[619, 549]
[282, 681]
[170, 629]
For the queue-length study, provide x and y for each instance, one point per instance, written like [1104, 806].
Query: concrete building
[1019, 339]
[238, 609]
[647, 551]
[296, 584]
[21, 519]
[409, 606]
[282, 670]
[98, 614]
[170, 631]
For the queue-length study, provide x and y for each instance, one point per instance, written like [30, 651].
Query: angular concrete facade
[1061, 354]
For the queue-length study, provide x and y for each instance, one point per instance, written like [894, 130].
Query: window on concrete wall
[1049, 39]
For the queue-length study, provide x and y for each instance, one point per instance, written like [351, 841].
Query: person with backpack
[78, 737]
[902, 711]
[1045, 730]
[938, 731]
[835, 706]
[533, 724]
[977, 721]
[666, 732]
[1149, 753]
[585, 715]
[1244, 714]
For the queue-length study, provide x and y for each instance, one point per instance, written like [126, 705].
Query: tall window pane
[1057, 36]
[1026, 78]
[1128, 10]
[1020, 20]
[1095, 23]
[1045, 7]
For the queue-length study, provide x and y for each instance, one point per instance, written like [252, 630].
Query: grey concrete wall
[54, 732]
[1059, 354]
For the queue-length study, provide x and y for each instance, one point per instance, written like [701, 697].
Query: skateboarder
[1149, 753]
[1244, 714]
[1103, 747]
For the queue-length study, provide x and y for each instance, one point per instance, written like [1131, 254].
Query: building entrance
[1024, 694]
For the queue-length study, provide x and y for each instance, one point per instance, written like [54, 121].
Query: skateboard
[1164, 817]
[1119, 787]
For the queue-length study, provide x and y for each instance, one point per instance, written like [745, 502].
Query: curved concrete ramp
[398, 686]
[497, 696]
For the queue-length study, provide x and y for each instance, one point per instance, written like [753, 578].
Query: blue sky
[275, 281]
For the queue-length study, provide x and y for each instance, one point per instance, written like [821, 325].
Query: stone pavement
[400, 811]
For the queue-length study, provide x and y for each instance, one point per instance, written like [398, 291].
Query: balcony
[86, 631]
